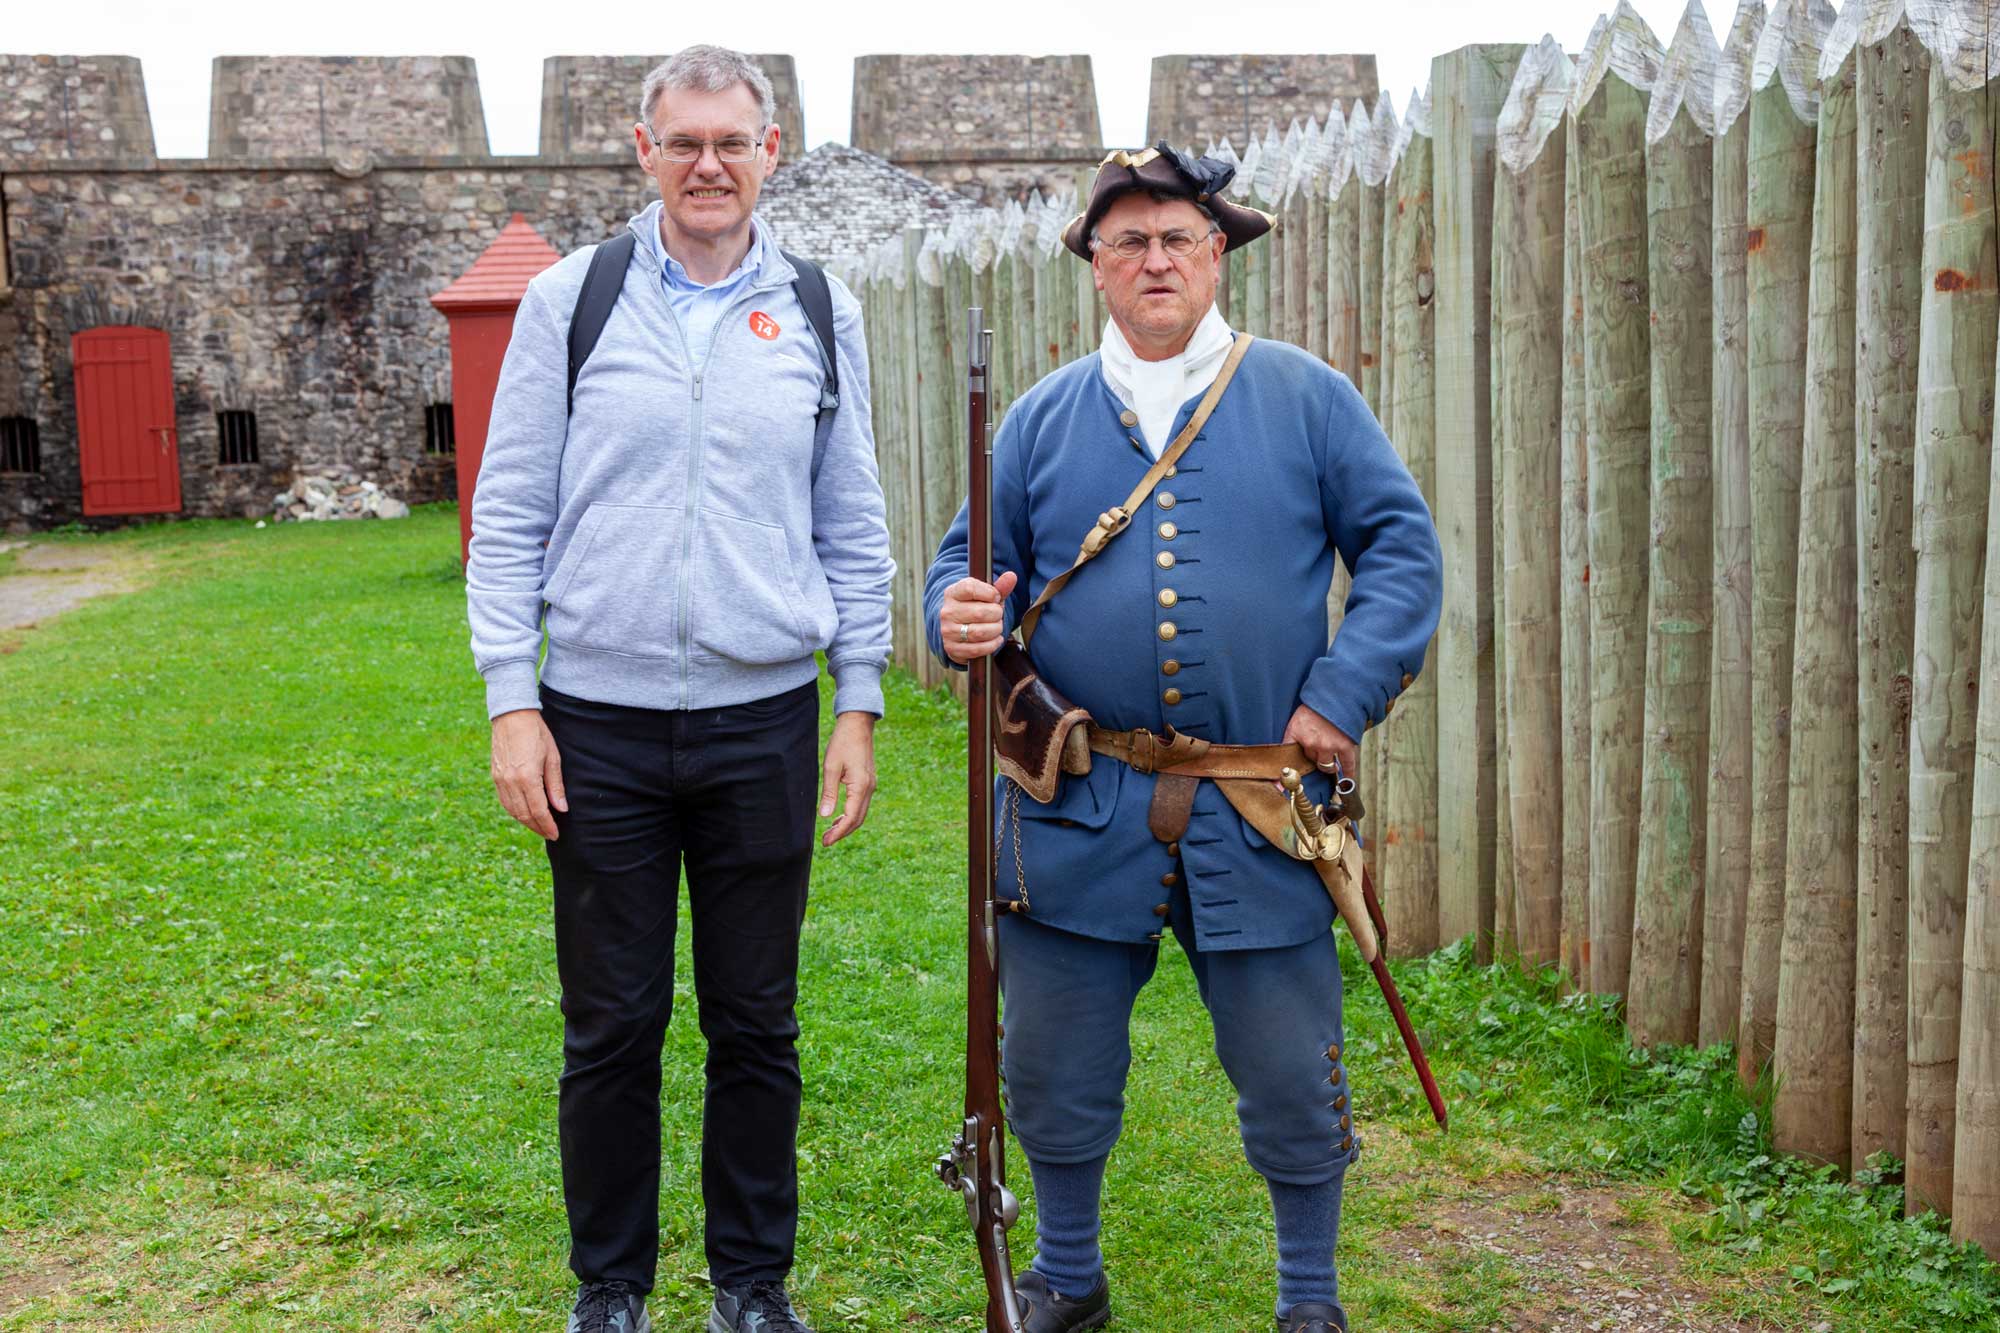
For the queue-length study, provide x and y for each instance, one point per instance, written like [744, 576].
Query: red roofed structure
[480, 307]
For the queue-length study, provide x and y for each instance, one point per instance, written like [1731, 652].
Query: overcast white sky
[176, 40]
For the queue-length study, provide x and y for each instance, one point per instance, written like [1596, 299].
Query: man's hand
[1325, 744]
[527, 771]
[850, 763]
[970, 618]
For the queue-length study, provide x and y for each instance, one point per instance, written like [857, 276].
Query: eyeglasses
[735, 148]
[1177, 243]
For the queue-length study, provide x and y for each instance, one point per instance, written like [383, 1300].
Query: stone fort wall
[264, 107]
[1204, 99]
[991, 127]
[292, 268]
[290, 291]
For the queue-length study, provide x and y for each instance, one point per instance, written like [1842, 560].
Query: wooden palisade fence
[1691, 347]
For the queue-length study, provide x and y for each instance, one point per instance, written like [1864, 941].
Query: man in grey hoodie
[686, 553]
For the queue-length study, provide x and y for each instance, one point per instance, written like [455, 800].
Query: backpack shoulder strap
[601, 284]
[816, 298]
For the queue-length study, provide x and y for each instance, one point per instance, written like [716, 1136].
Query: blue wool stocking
[1308, 1227]
[1066, 1252]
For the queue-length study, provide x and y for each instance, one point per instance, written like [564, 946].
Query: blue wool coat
[1208, 614]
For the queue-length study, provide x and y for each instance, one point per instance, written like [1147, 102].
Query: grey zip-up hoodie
[668, 526]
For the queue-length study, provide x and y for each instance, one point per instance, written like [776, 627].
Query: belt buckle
[1143, 743]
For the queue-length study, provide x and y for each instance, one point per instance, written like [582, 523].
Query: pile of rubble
[316, 497]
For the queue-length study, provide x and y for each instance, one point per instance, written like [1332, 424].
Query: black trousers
[730, 792]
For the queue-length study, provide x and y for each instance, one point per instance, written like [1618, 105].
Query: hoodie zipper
[696, 448]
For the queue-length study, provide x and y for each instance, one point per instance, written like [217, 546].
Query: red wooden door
[126, 441]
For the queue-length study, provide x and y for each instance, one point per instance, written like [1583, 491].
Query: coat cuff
[512, 685]
[1342, 707]
[857, 687]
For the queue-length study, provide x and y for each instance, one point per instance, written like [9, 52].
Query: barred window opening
[20, 445]
[440, 431]
[238, 432]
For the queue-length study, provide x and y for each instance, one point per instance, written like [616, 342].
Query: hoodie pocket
[615, 588]
[745, 592]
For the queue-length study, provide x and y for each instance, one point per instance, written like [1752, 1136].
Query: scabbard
[1380, 965]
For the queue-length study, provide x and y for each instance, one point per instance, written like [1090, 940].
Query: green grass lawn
[279, 1036]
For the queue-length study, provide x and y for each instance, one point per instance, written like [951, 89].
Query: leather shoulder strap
[1114, 521]
[601, 283]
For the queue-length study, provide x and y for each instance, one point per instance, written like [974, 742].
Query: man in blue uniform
[1206, 619]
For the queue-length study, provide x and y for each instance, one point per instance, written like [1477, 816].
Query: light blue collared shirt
[698, 307]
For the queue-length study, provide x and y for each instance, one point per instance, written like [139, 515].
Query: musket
[1314, 829]
[976, 1165]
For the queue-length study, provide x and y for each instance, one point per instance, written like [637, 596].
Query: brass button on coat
[1161, 910]
[1172, 696]
[1171, 472]
[1155, 935]
[1168, 532]
[1173, 849]
[1168, 629]
[1168, 597]
[1169, 879]
[1165, 500]
[1165, 560]
[1128, 418]
[1170, 667]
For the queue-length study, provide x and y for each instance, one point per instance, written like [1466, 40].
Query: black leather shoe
[1046, 1311]
[609, 1307]
[1312, 1317]
[761, 1307]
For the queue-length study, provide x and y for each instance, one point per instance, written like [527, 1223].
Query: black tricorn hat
[1203, 180]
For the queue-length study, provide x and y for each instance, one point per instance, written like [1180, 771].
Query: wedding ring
[965, 634]
[1328, 766]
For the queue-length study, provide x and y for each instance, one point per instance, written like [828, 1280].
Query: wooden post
[1089, 327]
[1271, 169]
[1343, 265]
[1299, 267]
[1610, 109]
[1954, 443]
[1892, 83]
[1575, 597]
[1726, 882]
[1000, 316]
[939, 424]
[1317, 257]
[1664, 993]
[1528, 223]
[1408, 831]
[1371, 164]
[1467, 87]
[1814, 1054]
[910, 413]
[1777, 243]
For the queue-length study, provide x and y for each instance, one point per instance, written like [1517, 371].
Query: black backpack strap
[816, 298]
[601, 284]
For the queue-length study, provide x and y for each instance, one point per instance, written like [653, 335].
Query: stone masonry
[74, 109]
[1197, 100]
[590, 102]
[291, 269]
[264, 107]
[296, 293]
[991, 127]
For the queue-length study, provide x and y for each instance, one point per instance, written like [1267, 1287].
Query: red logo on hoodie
[763, 325]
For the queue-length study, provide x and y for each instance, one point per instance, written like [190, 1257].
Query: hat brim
[1124, 173]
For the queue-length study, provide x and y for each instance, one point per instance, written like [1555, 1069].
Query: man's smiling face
[708, 198]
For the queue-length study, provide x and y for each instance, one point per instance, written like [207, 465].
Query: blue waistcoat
[1207, 614]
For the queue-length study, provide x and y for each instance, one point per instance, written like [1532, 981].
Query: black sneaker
[1312, 1317]
[1047, 1311]
[609, 1307]
[760, 1307]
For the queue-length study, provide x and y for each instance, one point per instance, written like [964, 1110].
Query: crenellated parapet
[76, 109]
[589, 104]
[1197, 100]
[265, 108]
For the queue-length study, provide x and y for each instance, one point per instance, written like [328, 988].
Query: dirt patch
[26, 1278]
[48, 579]
[1590, 1260]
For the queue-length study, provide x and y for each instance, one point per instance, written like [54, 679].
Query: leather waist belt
[1188, 756]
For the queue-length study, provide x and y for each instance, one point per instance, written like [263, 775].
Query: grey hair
[708, 69]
